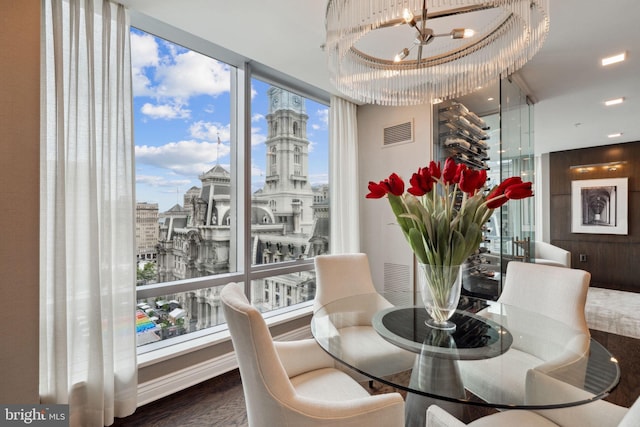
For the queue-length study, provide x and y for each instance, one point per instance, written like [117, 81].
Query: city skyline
[182, 121]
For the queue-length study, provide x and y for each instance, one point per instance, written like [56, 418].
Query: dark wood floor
[219, 402]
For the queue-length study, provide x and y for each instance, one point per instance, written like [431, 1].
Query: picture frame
[600, 206]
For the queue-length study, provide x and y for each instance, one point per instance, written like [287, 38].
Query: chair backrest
[264, 380]
[542, 389]
[556, 292]
[340, 276]
[549, 254]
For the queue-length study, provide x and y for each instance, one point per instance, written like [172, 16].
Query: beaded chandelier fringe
[500, 48]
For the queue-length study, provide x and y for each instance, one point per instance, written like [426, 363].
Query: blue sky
[181, 107]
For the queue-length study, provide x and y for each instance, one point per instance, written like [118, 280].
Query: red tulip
[483, 178]
[421, 182]
[434, 169]
[376, 190]
[459, 170]
[519, 191]
[496, 202]
[472, 180]
[396, 184]
[500, 189]
[449, 172]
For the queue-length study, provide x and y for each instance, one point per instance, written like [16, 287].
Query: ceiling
[565, 78]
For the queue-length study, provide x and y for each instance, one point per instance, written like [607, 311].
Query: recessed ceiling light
[490, 99]
[614, 101]
[615, 135]
[613, 59]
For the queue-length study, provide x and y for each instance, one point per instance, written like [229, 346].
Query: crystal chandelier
[408, 52]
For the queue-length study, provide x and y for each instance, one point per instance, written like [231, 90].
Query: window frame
[244, 69]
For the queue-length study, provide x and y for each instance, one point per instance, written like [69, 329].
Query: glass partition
[503, 149]
[516, 159]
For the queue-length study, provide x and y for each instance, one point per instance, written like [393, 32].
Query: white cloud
[144, 53]
[323, 116]
[144, 50]
[257, 117]
[187, 158]
[319, 179]
[165, 111]
[192, 74]
[210, 131]
[174, 72]
[257, 137]
[161, 181]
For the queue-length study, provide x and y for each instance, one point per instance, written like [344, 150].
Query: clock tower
[287, 187]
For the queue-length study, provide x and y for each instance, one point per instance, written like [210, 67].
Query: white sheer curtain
[87, 259]
[345, 194]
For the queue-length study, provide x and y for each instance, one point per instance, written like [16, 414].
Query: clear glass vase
[440, 289]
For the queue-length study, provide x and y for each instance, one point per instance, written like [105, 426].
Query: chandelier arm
[374, 62]
[423, 24]
[435, 15]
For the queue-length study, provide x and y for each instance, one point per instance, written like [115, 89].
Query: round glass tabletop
[499, 356]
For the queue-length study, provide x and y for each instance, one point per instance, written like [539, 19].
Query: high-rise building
[146, 231]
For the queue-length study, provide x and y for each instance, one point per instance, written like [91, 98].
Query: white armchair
[341, 276]
[560, 295]
[595, 414]
[548, 254]
[346, 275]
[296, 383]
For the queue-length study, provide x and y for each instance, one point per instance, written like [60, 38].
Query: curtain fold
[87, 209]
[343, 177]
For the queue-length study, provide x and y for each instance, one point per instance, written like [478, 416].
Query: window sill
[214, 338]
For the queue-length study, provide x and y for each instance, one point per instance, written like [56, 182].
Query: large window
[227, 190]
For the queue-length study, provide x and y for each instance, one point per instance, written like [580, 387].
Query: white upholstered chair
[557, 293]
[343, 275]
[295, 383]
[346, 275]
[596, 414]
[548, 254]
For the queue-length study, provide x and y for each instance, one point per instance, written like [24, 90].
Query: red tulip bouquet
[442, 230]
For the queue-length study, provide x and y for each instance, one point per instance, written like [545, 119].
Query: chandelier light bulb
[401, 55]
[462, 33]
[408, 17]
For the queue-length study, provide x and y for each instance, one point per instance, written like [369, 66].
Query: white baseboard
[188, 377]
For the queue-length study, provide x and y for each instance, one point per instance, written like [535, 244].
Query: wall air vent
[398, 283]
[398, 134]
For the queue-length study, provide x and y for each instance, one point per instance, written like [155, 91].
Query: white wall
[542, 198]
[380, 238]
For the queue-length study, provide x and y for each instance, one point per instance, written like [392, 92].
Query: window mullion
[245, 109]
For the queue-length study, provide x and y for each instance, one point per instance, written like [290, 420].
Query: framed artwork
[600, 206]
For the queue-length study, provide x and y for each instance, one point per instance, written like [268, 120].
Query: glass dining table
[499, 356]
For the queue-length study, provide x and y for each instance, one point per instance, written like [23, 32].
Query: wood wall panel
[612, 260]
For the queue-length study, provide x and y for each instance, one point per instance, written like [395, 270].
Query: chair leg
[370, 383]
